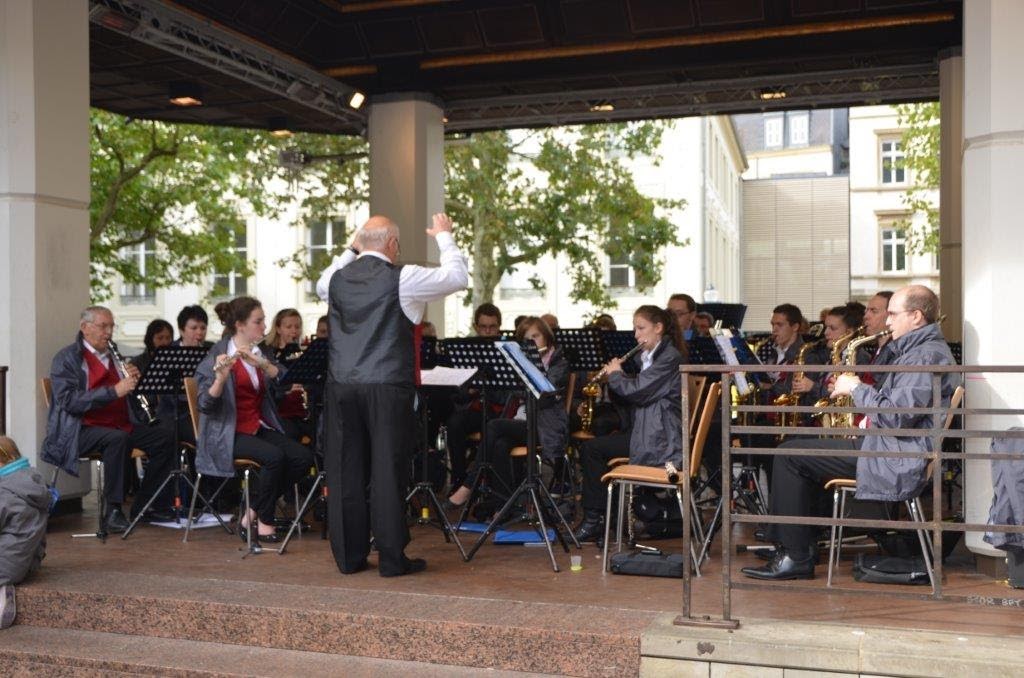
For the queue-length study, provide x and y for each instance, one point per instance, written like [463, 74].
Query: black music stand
[583, 348]
[165, 376]
[537, 384]
[309, 369]
[493, 371]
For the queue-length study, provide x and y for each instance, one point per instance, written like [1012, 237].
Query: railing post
[938, 422]
[726, 403]
[687, 492]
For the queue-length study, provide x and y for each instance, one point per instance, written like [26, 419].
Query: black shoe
[409, 566]
[358, 568]
[272, 538]
[115, 522]
[448, 506]
[783, 567]
[155, 515]
[591, 529]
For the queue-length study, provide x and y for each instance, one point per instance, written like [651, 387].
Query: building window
[894, 250]
[620, 273]
[232, 283]
[773, 132]
[143, 256]
[518, 283]
[323, 237]
[798, 128]
[893, 171]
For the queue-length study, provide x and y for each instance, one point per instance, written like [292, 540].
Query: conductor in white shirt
[374, 307]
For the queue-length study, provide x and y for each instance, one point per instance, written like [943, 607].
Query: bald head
[377, 235]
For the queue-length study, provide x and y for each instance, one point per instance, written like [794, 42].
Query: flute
[604, 370]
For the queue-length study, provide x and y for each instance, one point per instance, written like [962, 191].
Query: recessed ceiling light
[770, 94]
[185, 94]
[601, 106]
[356, 100]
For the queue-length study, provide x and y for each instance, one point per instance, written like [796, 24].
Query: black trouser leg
[796, 481]
[460, 424]
[158, 444]
[388, 414]
[114, 446]
[502, 436]
[282, 463]
[347, 462]
[594, 456]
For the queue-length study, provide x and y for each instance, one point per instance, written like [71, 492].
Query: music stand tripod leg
[301, 511]
[544, 529]
[561, 518]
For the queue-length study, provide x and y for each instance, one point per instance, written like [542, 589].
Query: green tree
[920, 142]
[184, 191]
[519, 196]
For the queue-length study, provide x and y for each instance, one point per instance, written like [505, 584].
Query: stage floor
[523, 573]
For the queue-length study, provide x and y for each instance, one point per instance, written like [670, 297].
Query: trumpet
[122, 368]
[592, 389]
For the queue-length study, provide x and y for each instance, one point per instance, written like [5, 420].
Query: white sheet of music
[728, 354]
[446, 376]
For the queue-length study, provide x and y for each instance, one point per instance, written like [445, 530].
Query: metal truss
[172, 30]
[824, 89]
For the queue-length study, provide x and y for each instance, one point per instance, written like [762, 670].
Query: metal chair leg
[693, 550]
[916, 512]
[607, 527]
[192, 509]
[832, 562]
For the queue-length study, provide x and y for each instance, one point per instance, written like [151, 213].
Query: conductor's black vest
[371, 339]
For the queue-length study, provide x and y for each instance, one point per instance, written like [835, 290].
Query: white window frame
[233, 277]
[804, 127]
[894, 155]
[334, 229]
[893, 237]
[774, 138]
[618, 266]
[139, 293]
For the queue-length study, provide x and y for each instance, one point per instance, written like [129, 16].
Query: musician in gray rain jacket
[24, 506]
[796, 481]
[1007, 493]
[655, 434]
[238, 414]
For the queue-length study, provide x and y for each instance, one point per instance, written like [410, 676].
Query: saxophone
[845, 419]
[839, 356]
[790, 399]
[592, 391]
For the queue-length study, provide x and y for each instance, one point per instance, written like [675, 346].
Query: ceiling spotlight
[185, 94]
[115, 21]
[770, 94]
[602, 106]
[444, 119]
[356, 100]
[278, 127]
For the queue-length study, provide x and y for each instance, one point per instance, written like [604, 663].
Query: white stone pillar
[406, 135]
[44, 196]
[951, 100]
[993, 203]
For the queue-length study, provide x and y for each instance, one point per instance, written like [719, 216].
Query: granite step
[36, 651]
[503, 635]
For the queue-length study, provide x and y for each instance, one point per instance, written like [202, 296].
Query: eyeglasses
[104, 327]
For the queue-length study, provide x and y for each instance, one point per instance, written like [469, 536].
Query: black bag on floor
[648, 564]
[875, 569]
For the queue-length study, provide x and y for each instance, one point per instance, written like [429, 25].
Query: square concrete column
[951, 271]
[993, 203]
[44, 197]
[406, 135]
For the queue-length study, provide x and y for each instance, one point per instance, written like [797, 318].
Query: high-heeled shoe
[243, 532]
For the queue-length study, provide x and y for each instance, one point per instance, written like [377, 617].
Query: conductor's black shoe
[409, 566]
[591, 529]
[115, 522]
[782, 567]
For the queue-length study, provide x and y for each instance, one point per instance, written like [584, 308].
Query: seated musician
[786, 342]
[159, 333]
[321, 327]
[282, 345]
[192, 324]
[876, 313]
[796, 481]
[465, 416]
[238, 418]
[89, 412]
[552, 427]
[655, 435]
[702, 323]
[683, 308]
[840, 321]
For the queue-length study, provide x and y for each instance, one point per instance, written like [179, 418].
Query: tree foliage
[920, 143]
[184, 191]
[519, 196]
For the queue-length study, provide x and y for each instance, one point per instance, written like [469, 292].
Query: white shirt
[417, 285]
[646, 359]
[102, 357]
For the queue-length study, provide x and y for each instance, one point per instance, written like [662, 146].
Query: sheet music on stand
[583, 348]
[525, 366]
[723, 341]
[168, 368]
[310, 367]
[747, 357]
[704, 351]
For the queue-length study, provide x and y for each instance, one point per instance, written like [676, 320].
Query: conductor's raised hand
[442, 223]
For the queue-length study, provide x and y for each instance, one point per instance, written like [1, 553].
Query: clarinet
[119, 362]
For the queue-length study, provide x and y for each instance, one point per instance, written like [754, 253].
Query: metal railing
[3, 400]
[937, 432]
